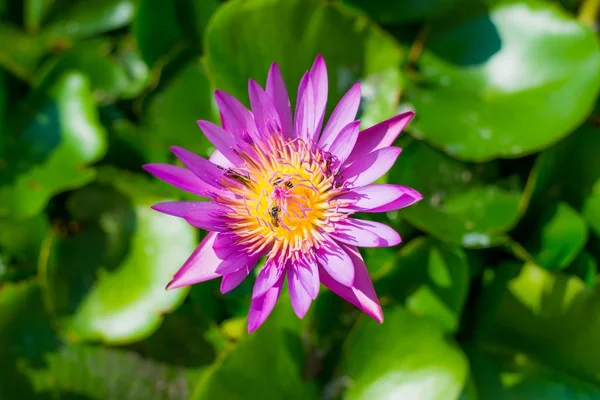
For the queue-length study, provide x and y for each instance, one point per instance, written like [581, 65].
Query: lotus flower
[283, 187]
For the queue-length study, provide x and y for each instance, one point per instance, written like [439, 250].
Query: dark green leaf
[403, 11]
[458, 206]
[20, 53]
[52, 152]
[506, 83]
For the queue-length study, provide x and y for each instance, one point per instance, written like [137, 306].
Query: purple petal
[233, 280]
[381, 135]
[363, 233]
[267, 277]
[336, 262]
[304, 119]
[265, 114]
[180, 208]
[235, 117]
[201, 167]
[361, 293]
[261, 307]
[308, 273]
[179, 177]
[342, 115]
[371, 167]
[222, 140]
[298, 295]
[318, 74]
[279, 95]
[200, 266]
[218, 158]
[344, 143]
[234, 262]
[380, 197]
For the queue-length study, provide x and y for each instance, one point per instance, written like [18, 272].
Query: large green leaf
[513, 376]
[430, 277]
[264, 365]
[20, 53]
[245, 37]
[173, 111]
[459, 207]
[404, 358]
[36, 364]
[108, 281]
[87, 18]
[552, 318]
[21, 239]
[51, 152]
[507, 82]
[403, 11]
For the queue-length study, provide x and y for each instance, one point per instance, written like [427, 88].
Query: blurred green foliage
[493, 295]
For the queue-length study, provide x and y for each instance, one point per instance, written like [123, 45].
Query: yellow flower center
[284, 196]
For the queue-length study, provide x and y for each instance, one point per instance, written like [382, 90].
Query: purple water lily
[284, 188]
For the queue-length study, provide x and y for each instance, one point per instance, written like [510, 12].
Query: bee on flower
[286, 188]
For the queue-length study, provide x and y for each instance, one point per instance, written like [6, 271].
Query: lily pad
[552, 318]
[459, 207]
[38, 364]
[52, 151]
[20, 53]
[403, 11]
[406, 357]
[431, 278]
[108, 281]
[245, 37]
[263, 365]
[507, 82]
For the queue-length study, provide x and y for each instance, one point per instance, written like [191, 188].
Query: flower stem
[589, 12]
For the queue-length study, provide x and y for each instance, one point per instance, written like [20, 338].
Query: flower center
[284, 196]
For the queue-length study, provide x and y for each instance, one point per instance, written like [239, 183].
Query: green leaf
[245, 37]
[34, 12]
[513, 376]
[39, 365]
[380, 96]
[563, 234]
[431, 278]
[264, 365]
[51, 153]
[108, 281]
[458, 206]
[107, 78]
[552, 318]
[591, 210]
[173, 111]
[404, 358]
[403, 11]
[585, 267]
[86, 18]
[20, 53]
[21, 239]
[507, 82]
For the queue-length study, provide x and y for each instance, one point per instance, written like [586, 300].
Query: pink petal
[261, 307]
[218, 158]
[222, 140]
[234, 116]
[299, 297]
[265, 114]
[267, 277]
[344, 143]
[380, 197]
[342, 115]
[304, 118]
[361, 293]
[233, 280]
[201, 167]
[279, 95]
[363, 233]
[371, 167]
[200, 214]
[318, 75]
[381, 135]
[179, 177]
[200, 266]
[234, 262]
[336, 262]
